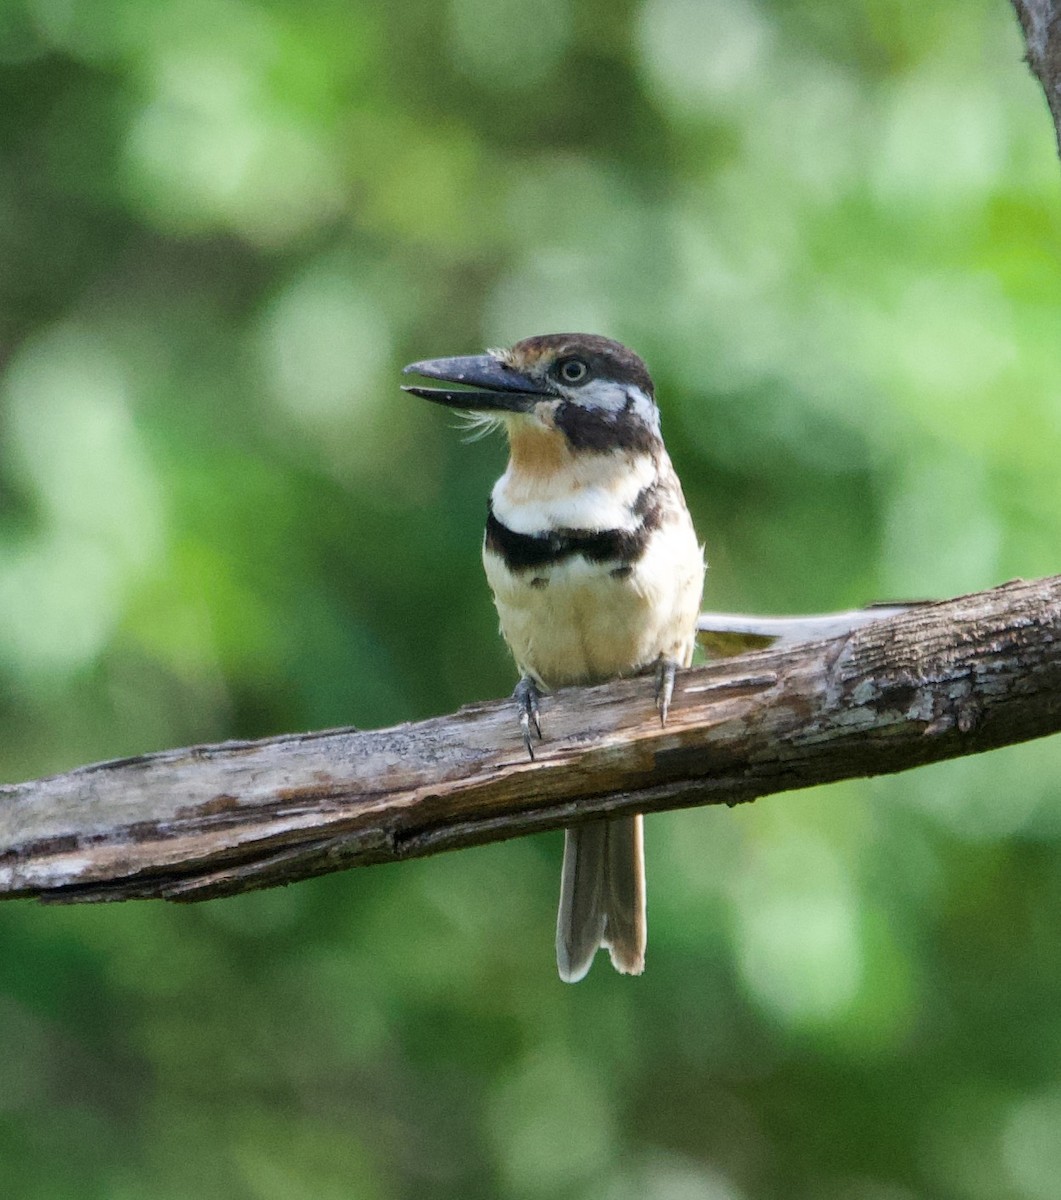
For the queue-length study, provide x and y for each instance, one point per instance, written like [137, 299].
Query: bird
[596, 573]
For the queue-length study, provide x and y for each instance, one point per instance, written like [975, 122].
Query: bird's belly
[578, 621]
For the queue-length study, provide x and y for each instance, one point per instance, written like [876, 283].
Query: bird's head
[591, 391]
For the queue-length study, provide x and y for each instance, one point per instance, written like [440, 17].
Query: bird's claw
[527, 696]
[666, 670]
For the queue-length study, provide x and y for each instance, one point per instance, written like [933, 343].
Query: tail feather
[602, 897]
[625, 931]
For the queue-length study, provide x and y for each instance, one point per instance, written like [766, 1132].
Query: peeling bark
[934, 682]
[1040, 21]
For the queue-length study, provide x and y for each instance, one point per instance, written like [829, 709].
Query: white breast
[589, 492]
[584, 622]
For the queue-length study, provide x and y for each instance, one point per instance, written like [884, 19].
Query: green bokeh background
[834, 232]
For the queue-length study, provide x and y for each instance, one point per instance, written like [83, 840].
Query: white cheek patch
[608, 396]
[645, 408]
[601, 393]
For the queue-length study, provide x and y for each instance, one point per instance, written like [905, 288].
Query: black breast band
[528, 551]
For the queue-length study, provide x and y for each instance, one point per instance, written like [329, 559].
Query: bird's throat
[538, 452]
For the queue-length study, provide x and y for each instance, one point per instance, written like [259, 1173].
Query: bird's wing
[724, 635]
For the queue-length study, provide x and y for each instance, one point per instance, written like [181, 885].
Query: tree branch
[930, 683]
[1041, 22]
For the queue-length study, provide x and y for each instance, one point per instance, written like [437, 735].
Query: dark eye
[572, 370]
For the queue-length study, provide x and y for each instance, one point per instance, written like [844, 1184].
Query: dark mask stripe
[603, 431]
[526, 551]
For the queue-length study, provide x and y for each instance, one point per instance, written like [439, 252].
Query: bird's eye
[573, 370]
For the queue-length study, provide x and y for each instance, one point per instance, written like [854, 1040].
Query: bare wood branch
[1041, 22]
[931, 683]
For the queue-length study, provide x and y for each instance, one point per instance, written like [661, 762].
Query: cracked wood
[1040, 22]
[934, 682]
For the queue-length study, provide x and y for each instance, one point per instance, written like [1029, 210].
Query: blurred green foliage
[834, 233]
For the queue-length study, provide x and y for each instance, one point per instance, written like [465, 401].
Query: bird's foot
[666, 669]
[527, 696]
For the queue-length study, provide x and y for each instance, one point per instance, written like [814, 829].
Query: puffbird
[596, 573]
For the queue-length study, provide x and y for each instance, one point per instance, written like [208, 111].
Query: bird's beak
[491, 384]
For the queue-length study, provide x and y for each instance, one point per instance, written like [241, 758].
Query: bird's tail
[602, 897]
